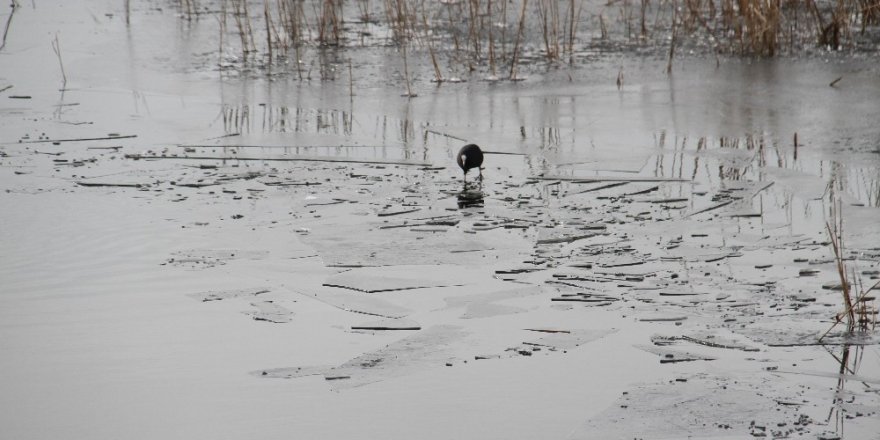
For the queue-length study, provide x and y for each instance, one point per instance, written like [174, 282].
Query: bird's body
[470, 156]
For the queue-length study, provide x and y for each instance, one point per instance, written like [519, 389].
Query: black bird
[470, 156]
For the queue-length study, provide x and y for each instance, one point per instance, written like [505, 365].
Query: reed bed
[491, 35]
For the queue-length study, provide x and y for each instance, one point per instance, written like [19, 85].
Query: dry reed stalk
[292, 17]
[364, 8]
[320, 24]
[56, 47]
[13, 7]
[268, 20]
[387, 7]
[503, 29]
[329, 23]
[830, 35]
[283, 16]
[187, 7]
[861, 309]
[574, 19]
[243, 23]
[549, 9]
[309, 72]
[817, 16]
[437, 75]
[672, 43]
[570, 15]
[409, 92]
[296, 23]
[694, 9]
[542, 15]
[455, 44]
[835, 233]
[473, 30]
[658, 12]
[762, 25]
[522, 19]
[399, 19]
[417, 32]
[279, 40]
[864, 322]
[221, 25]
[350, 81]
[250, 29]
[339, 20]
[773, 28]
[491, 38]
[236, 14]
[870, 12]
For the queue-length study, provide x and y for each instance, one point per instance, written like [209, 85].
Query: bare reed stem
[835, 233]
[672, 43]
[268, 29]
[14, 7]
[504, 28]
[409, 92]
[221, 24]
[491, 38]
[56, 47]
[572, 20]
[350, 81]
[437, 75]
[522, 19]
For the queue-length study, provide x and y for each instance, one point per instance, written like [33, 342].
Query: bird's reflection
[471, 196]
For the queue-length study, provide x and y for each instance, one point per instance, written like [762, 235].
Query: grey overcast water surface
[650, 261]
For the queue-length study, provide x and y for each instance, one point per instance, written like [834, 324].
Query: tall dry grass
[764, 27]
[492, 35]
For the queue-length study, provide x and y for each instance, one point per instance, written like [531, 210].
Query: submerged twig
[711, 208]
[107, 184]
[105, 138]
[612, 179]
[282, 158]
